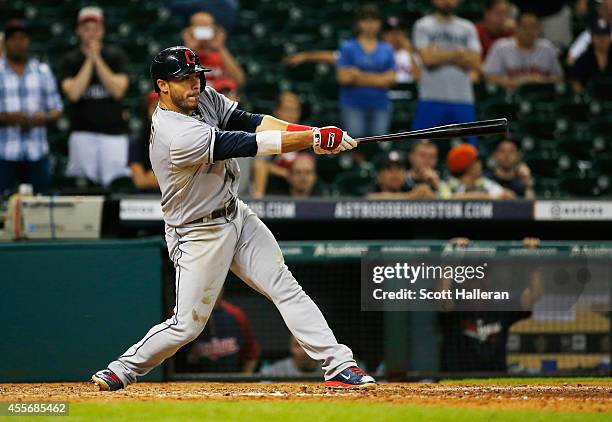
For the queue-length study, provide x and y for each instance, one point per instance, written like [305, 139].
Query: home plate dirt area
[595, 396]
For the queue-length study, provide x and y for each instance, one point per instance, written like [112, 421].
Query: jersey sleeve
[193, 146]
[218, 104]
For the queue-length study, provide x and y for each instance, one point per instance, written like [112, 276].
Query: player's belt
[226, 211]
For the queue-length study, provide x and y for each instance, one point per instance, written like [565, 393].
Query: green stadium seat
[402, 115]
[578, 149]
[537, 127]
[540, 91]
[601, 126]
[303, 73]
[353, 183]
[580, 185]
[485, 91]
[603, 163]
[546, 187]
[496, 108]
[600, 89]
[328, 167]
[543, 164]
[540, 109]
[574, 111]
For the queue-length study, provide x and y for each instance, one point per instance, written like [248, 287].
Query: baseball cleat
[352, 377]
[107, 380]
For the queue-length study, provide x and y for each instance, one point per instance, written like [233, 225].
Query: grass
[270, 411]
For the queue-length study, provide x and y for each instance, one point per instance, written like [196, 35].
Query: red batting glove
[326, 140]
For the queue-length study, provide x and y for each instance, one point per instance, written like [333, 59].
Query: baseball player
[196, 135]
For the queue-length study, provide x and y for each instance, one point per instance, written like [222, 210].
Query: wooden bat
[459, 130]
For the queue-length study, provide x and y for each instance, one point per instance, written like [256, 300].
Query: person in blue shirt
[365, 71]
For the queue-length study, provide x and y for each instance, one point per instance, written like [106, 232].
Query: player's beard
[186, 104]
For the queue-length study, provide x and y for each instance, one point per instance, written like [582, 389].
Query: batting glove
[331, 140]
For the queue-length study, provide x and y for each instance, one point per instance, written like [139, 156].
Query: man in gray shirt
[196, 136]
[524, 58]
[450, 50]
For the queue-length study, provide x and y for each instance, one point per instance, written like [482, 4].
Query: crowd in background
[515, 43]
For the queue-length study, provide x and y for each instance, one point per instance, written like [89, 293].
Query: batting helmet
[174, 62]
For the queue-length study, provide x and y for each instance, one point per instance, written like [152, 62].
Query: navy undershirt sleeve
[244, 121]
[234, 144]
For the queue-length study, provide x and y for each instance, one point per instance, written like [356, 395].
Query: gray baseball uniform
[203, 252]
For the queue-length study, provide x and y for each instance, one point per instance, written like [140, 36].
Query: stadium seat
[580, 185]
[603, 163]
[573, 146]
[547, 187]
[600, 89]
[544, 164]
[573, 110]
[539, 128]
[485, 91]
[402, 115]
[353, 183]
[495, 108]
[328, 167]
[540, 91]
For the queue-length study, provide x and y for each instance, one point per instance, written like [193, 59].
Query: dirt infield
[587, 397]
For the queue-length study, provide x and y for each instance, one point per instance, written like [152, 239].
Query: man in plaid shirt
[29, 99]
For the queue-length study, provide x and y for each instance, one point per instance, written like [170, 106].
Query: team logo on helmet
[190, 57]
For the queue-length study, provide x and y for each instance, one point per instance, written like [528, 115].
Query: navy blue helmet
[175, 62]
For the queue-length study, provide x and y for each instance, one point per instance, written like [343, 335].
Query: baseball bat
[458, 130]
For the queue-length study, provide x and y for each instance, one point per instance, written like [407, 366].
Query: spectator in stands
[299, 363]
[524, 58]
[302, 177]
[393, 32]
[555, 17]
[29, 100]
[365, 71]
[94, 79]
[423, 158]
[139, 161]
[406, 65]
[391, 181]
[449, 49]
[227, 344]
[496, 24]
[208, 40]
[225, 12]
[288, 108]
[467, 181]
[509, 171]
[596, 61]
[582, 42]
